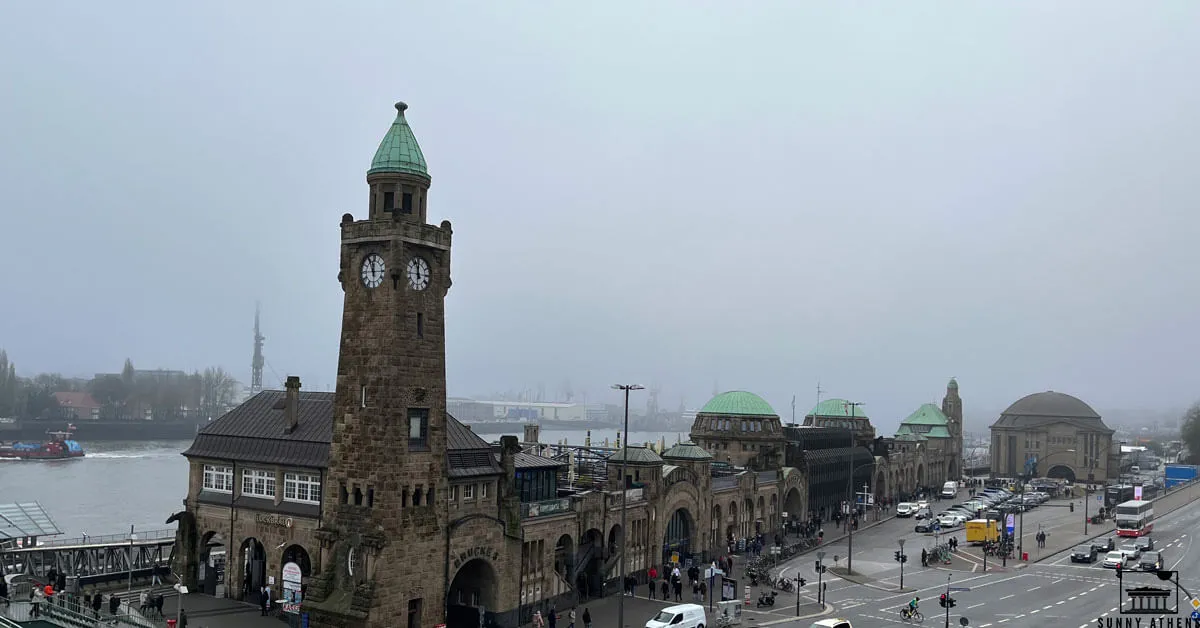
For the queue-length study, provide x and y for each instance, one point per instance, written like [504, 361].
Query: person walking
[924, 557]
[587, 618]
[538, 620]
[571, 618]
[651, 577]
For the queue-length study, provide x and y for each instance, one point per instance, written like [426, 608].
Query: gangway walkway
[94, 559]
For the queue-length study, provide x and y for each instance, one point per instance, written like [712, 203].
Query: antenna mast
[256, 364]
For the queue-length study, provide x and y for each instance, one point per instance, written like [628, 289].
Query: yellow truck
[983, 530]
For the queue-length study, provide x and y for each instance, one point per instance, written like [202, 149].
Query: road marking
[1070, 598]
[979, 604]
[1002, 621]
[1006, 597]
[1036, 610]
[1033, 589]
[1058, 581]
[1059, 602]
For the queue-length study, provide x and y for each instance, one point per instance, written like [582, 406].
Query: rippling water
[117, 484]
[141, 483]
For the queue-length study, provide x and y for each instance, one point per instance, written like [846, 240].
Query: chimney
[291, 403]
[510, 502]
[532, 432]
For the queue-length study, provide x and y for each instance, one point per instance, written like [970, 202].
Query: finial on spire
[401, 106]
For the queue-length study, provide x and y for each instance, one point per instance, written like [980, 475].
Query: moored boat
[58, 446]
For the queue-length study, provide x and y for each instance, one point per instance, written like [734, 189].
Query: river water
[141, 483]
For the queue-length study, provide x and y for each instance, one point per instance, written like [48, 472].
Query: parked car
[1112, 560]
[1150, 561]
[1085, 554]
[1107, 545]
[905, 509]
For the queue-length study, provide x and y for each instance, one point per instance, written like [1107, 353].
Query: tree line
[129, 395]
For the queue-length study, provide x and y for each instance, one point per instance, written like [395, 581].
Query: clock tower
[387, 468]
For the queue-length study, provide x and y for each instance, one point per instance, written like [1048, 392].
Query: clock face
[372, 270]
[418, 273]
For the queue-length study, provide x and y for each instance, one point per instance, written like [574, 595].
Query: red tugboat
[58, 446]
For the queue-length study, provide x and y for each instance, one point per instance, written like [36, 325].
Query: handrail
[113, 539]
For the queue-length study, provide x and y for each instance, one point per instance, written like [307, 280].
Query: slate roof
[254, 432]
[637, 455]
[686, 451]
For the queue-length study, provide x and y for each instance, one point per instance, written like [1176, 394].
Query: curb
[828, 611]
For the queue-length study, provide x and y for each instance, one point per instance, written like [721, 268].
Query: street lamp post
[132, 538]
[820, 573]
[624, 495]
[853, 504]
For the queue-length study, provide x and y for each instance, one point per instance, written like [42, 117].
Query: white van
[950, 490]
[679, 616]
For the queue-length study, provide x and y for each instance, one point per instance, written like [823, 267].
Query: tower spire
[257, 362]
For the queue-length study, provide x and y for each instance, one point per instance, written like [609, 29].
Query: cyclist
[912, 605]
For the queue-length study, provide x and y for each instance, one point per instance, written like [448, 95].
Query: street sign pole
[820, 573]
[901, 542]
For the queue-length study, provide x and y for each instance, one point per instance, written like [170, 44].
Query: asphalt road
[1052, 592]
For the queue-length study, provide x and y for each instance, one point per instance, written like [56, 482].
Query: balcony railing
[545, 508]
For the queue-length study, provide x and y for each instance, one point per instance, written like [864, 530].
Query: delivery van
[679, 616]
[982, 530]
[950, 490]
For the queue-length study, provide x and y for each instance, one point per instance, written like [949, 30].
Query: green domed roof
[686, 451]
[398, 151]
[738, 403]
[836, 408]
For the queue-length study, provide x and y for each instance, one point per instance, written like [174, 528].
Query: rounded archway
[951, 471]
[760, 522]
[295, 567]
[211, 567]
[1061, 472]
[677, 537]
[615, 536]
[589, 579]
[880, 485]
[472, 598]
[564, 566]
[793, 504]
[252, 559]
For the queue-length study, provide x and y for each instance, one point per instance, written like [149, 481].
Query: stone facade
[1055, 435]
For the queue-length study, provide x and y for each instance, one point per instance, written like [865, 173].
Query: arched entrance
[294, 570]
[211, 572]
[1061, 472]
[589, 564]
[678, 536]
[793, 504]
[760, 524]
[564, 565]
[472, 597]
[920, 476]
[951, 471]
[253, 562]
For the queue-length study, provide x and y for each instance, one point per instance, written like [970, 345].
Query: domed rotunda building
[1055, 435]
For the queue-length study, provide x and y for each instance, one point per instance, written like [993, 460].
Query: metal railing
[112, 539]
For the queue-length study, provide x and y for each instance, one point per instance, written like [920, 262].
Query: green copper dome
[738, 403]
[399, 151]
[836, 408]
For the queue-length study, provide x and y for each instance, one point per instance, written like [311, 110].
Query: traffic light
[1071, 506]
[1118, 571]
[897, 555]
[803, 582]
[951, 601]
[942, 600]
[904, 558]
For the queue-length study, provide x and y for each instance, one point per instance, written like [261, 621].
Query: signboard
[1137, 492]
[1009, 522]
[728, 589]
[731, 610]
[292, 578]
[1100, 498]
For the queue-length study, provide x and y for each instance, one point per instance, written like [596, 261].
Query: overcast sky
[685, 194]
